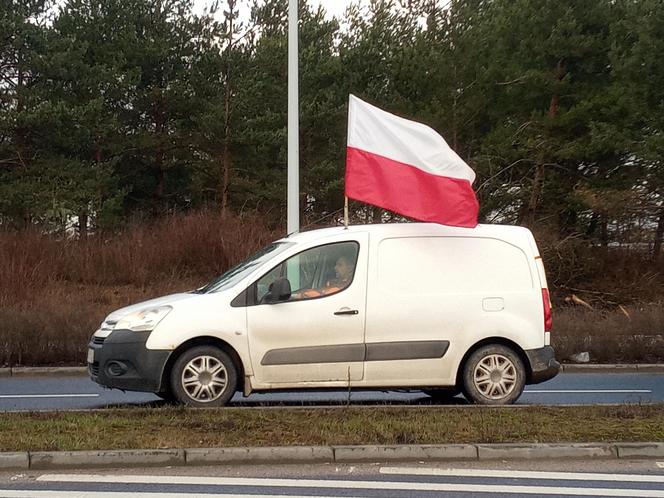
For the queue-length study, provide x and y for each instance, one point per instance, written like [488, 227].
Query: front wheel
[167, 396]
[442, 393]
[493, 375]
[204, 376]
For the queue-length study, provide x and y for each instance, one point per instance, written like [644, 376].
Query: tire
[442, 394]
[167, 396]
[493, 375]
[204, 376]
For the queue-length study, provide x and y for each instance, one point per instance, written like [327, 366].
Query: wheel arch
[202, 341]
[494, 340]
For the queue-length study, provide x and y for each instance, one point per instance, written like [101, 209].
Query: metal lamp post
[293, 200]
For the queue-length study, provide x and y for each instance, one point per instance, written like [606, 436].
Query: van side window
[316, 272]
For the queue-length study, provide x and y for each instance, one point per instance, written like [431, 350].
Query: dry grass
[54, 293]
[175, 247]
[611, 336]
[181, 428]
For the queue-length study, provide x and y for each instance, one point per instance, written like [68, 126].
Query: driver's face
[343, 269]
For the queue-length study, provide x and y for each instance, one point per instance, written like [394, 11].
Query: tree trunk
[226, 155]
[159, 153]
[83, 224]
[592, 226]
[19, 132]
[604, 233]
[527, 217]
[226, 176]
[528, 214]
[659, 235]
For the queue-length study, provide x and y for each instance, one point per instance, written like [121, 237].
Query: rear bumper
[543, 364]
[123, 362]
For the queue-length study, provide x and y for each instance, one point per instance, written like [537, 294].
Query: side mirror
[280, 290]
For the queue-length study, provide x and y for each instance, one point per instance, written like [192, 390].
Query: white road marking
[589, 391]
[22, 396]
[521, 474]
[321, 484]
[114, 494]
[660, 464]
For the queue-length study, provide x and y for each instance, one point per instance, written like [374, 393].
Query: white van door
[317, 336]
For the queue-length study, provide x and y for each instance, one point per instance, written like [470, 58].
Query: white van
[412, 305]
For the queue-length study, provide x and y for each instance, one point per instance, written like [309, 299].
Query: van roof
[515, 234]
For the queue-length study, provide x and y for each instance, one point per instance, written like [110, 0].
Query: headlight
[146, 319]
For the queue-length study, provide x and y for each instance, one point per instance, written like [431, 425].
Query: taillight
[548, 318]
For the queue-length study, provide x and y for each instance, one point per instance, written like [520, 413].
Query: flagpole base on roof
[346, 211]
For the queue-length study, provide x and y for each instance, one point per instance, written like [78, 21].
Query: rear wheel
[493, 375]
[204, 376]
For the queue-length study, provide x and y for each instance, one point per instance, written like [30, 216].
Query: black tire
[506, 379]
[167, 396]
[442, 394]
[212, 394]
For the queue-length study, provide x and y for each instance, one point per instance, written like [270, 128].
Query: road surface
[80, 393]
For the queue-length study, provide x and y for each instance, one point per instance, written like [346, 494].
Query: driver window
[316, 272]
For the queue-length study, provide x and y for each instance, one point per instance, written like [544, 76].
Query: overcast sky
[332, 7]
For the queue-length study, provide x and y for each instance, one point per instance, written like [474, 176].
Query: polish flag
[406, 167]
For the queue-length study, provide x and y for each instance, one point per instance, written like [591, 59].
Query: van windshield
[237, 273]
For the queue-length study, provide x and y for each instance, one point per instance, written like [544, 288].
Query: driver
[343, 270]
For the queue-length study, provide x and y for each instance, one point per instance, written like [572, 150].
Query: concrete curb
[640, 450]
[14, 461]
[613, 368]
[424, 452]
[275, 454]
[566, 367]
[105, 458]
[44, 460]
[542, 451]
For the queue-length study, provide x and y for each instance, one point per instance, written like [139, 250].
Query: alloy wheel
[204, 378]
[495, 376]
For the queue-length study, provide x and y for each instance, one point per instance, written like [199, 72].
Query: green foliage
[123, 108]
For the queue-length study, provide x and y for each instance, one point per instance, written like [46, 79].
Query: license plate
[91, 355]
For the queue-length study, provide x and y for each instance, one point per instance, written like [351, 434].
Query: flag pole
[346, 211]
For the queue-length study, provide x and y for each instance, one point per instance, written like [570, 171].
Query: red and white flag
[406, 167]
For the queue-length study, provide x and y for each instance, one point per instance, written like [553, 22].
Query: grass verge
[170, 427]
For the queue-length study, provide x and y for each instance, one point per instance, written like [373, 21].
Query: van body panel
[206, 315]
[435, 287]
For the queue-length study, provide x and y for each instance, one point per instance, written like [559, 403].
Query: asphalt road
[76, 393]
[477, 479]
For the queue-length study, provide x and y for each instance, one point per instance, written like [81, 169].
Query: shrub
[54, 292]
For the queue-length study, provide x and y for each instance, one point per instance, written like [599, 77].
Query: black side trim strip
[377, 351]
[406, 350]
[314, 354]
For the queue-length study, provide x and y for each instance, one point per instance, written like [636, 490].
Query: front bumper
[543, 364]
[122, 361]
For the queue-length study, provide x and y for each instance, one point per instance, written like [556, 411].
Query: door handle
[346, 312]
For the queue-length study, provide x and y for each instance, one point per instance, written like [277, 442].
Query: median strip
[175, 427]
